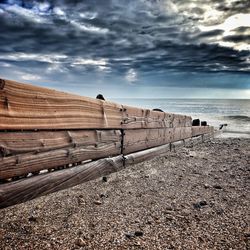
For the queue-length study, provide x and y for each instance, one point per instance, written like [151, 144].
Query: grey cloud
[232, 7]
[211, 33]
[237, 38]
[242, 29]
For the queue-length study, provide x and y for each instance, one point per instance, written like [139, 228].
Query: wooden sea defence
[51, 140]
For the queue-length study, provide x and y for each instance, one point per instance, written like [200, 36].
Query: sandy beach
[195, 198]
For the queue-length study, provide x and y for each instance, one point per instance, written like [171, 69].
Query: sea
[235, 113]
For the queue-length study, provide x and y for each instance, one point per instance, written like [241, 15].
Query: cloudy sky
[129, 48]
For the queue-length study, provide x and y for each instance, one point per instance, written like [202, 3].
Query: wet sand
[196, 198]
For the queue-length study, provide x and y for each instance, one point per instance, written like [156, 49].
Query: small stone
[220, 211]
[217, 186]
[203, 203]
[186, 212]
[79, 232]
[138, 233]
[116, 241]
[200, 239]
[146, 176]
[97, 202]
[206, 185]
[199, 204]
[32, 219]
[196, 205]
[129, 235]
[80, 242]
[103, 195]
[192, 154]
[247, 234]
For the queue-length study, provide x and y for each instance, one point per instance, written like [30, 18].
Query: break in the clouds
[127, 44]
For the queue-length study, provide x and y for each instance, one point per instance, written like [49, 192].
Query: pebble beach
[195, 198]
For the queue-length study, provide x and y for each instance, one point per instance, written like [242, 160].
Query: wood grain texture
[146, 118]
[28, 107]
[180, 133]
[182, 121]
[139, 139]
[200, 130]
[146, 154]
[23, 164]
[12, 143]
[26, 189]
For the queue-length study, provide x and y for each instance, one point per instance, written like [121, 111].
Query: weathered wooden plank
[180, 133]
[182, 121]
[26, 189]
[146, 118]
[146, 154]
[12, 143]
[175, 145]
[23, 164]
[200, 130]
[139, 139]
[28, 107]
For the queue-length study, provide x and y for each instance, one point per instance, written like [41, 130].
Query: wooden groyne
[51, 140]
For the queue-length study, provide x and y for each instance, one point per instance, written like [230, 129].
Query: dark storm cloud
[211, 33]
[237, 38]
[240, 6]
[119, 38]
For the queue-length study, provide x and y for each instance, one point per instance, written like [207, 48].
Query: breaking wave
[242, 118]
